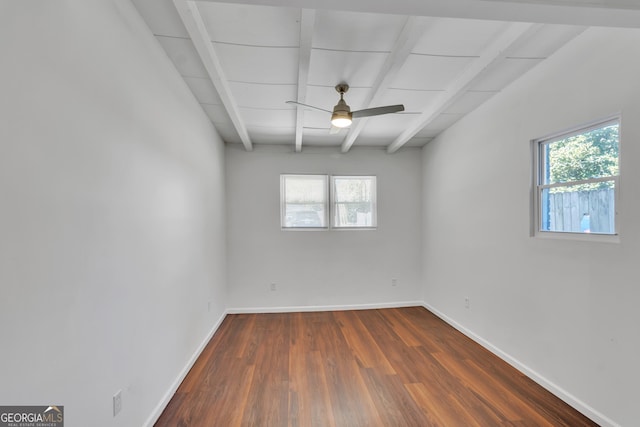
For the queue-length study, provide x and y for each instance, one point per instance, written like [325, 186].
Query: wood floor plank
[392, 367]
[403, 358]
[268, 399]
[501, 404]
[362, 343]
[395, 405]
[244, 343]
[523, 410]
[402, 327]
[227, 330]
[309, 400]
[437, 404]
[350, 400]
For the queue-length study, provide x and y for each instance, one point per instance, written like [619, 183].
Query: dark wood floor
[391, 367]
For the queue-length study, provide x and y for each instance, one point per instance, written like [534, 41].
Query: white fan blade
[309, 106]
[378, 111]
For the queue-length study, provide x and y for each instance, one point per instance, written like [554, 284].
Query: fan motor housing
[342, 107]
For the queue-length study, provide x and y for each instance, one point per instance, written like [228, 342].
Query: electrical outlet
[394, 282]
[273, 287]
[117, 403]
[467, 302]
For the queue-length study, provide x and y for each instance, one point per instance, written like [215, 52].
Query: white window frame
[374, 202]
[330, 203]
[538, 186]
[283, 203]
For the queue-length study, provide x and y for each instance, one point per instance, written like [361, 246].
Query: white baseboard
[559, 392]
[296, 309]
[174, 387]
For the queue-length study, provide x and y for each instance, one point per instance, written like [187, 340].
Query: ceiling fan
[341, 116]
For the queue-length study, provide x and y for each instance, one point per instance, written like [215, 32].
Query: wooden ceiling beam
[411, 33]
[307, 22]
[490, 56]
[604, 13]
[192, 19]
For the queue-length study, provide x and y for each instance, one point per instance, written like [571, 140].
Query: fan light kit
[342, 116]
[341, 120]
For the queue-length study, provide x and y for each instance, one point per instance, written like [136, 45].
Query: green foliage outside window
[592, 154]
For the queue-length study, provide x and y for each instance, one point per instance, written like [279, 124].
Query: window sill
[585, 237]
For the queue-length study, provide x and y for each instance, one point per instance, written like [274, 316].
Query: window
[354, 201]
[577, 180]
[305, 201]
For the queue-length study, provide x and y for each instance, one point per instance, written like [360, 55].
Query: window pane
[587, 155]
[304, 201]
[587, 208]
[354, 201]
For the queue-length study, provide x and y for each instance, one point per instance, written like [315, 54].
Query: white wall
[321, 268]
[112, 235]
[565, 309]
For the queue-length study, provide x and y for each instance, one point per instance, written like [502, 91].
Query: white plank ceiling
[244, 61]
